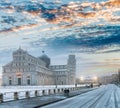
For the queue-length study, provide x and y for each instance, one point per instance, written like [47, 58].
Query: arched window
[10, 81]
[28, 80]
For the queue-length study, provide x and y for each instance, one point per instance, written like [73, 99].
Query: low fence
[10, 96]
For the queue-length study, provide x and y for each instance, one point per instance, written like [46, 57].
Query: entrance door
[10, 82]
[28, 81]
[19, 81]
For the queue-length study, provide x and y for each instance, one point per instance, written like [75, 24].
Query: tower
[71, 63]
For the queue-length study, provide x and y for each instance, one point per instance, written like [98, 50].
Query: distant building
[108, 79]
[26, 69]
[119, 75]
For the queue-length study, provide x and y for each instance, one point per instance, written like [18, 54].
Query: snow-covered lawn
[8, 91]
[4, 89]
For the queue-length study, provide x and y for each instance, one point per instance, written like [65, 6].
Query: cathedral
[26, 69]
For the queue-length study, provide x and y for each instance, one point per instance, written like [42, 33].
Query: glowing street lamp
[95, 78]
[81, 78]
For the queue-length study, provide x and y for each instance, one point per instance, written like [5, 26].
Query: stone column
[15, 95]
[27, 94]
[1, 98]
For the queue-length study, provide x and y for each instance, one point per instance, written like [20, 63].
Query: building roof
[20, 50]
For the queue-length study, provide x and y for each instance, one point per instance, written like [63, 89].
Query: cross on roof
[43, 51]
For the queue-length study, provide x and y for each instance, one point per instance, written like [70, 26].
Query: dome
[46, 59]
[44, 56]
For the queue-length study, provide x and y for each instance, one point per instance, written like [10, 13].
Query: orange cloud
[86, 15]
[7, 30]
[112, 60]
[17, 28]
[115, 20]
[115, 3]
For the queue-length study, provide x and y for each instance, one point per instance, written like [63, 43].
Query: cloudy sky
[90, 29]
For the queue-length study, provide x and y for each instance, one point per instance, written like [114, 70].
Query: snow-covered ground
[8, 91]
[104, 97]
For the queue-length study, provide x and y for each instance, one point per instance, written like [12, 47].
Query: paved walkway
[105, 97]
[40, 101]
